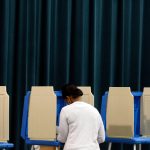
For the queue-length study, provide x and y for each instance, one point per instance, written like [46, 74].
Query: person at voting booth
[81, 126]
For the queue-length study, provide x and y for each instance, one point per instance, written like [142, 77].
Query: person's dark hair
[71, 90]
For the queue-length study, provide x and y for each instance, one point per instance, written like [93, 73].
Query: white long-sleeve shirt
[81, 127]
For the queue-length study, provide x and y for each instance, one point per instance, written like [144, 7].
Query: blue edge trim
[24, 130]
[6, 145]
[137, 139]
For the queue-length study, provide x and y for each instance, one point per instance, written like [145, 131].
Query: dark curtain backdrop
[99, 43]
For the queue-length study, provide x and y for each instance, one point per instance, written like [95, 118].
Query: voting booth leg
[134, 147]
[109, 146]
[121, 146]
[140, 147]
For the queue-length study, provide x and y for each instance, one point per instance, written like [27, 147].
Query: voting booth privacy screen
[42, 107]
[120, 112]
[4, 119]
[4, 114]
[87, 97]
[145, 113]
[42, 114]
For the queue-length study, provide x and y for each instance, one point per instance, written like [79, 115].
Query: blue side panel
[24, 128]
[137, 96]
[103, 108]
[60, 104]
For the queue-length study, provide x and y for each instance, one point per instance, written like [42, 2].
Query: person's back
[81, 127]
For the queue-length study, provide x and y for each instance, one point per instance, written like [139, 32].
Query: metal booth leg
[134, 147]
[140, 147]
[109, 146]
[121, 146]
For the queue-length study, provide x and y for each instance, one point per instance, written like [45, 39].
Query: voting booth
[137, 139]
[120, 112]
[87, 97]
[42, 107]
[145, 113]
[41, 111]
[4, 118]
